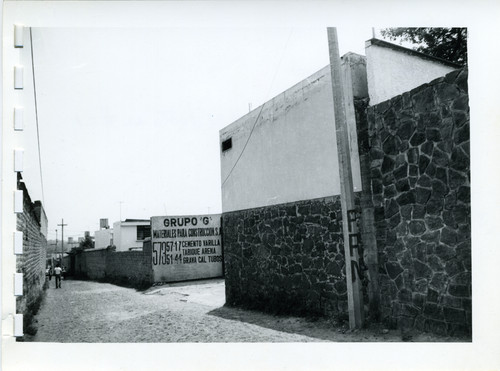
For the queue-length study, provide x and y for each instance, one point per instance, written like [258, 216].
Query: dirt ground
[86, 311]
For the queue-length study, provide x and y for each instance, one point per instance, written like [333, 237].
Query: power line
[245, 146]
[36, 116]
[261, 108]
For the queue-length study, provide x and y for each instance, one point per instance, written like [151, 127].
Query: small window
[143, 232]
[227, 144]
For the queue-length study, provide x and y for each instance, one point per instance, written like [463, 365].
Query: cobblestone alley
[86, 311]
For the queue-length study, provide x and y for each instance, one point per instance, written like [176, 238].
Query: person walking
[57, 274]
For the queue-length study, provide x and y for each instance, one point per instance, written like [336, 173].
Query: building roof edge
[400, 48]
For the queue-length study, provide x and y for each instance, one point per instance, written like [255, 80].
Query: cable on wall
[260, 111]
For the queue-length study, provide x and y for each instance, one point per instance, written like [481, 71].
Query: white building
[393, 69]
[291, 154]
[131, 233]
[103, 238]
[286, 150]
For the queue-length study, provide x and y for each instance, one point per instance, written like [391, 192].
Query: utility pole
[62, 225]
[350, 232]
[52, 258]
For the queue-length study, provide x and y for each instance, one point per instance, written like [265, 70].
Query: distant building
[131, 233]
[103, 238]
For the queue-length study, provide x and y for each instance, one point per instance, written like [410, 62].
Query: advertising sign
[186, 247]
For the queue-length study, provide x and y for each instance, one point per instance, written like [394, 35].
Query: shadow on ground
[319, 328]
[324, 329]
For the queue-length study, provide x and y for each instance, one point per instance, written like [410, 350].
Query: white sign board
[186, 247]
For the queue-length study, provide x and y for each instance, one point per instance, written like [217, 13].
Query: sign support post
[350, 232]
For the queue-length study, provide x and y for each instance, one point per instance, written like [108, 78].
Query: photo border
[479, 17]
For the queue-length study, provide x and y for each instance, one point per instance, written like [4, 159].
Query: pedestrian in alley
[57, 274]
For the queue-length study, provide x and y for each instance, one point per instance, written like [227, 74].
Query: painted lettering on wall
[355, 250]
[186, 247]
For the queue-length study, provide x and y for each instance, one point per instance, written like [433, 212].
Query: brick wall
[420, 180]
[286, 258]
[32, 262]
[95, 263]
[132, 268]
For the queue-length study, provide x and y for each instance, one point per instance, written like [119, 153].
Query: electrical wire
[260, 111]
[36, 116]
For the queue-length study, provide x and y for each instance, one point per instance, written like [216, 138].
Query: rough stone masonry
[287, 258]
[416, 149]
[420, 180]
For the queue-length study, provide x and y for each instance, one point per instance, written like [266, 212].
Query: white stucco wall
[117, 234]
[392, 72]
[125, 235]
[292, 152]
[103, 238]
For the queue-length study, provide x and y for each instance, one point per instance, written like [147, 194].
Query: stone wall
[420, 180]
[133, 268]
[286, 258]
[32, 262]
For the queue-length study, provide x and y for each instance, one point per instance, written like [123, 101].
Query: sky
[129, 118]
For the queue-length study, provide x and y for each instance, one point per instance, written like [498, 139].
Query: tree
[87, 243]
[445, 43]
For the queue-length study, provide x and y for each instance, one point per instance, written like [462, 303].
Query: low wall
[129, 266]
[132, 268]
[286, 258]
[420, 179]
[95, 263]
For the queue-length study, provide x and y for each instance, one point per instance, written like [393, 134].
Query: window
[143, 232]
[227, 144]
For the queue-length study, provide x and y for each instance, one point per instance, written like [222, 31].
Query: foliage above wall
[446, 43]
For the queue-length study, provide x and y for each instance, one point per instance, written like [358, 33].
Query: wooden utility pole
[52, 257]
[354, 285]
[62, 225]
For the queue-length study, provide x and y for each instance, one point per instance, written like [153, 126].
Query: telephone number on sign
[161, 256]
[169, 246]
